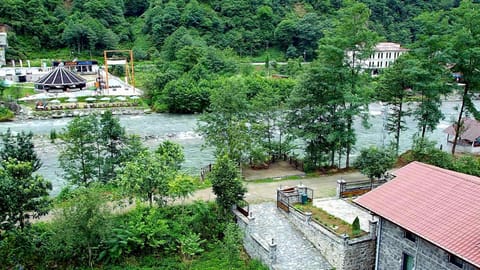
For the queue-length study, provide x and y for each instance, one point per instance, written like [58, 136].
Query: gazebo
[62, 79]
[469, 137]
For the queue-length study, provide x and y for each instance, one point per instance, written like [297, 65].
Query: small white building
[384, 54]
[468, 139]
[3, 44]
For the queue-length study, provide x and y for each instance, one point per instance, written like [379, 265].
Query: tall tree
[316, 112]
[95, 147]
[78, 157]
[226, 126]
[19, 147]
[395, 87]
[155, 176]
[226, 183]
[352, 35]
[464, 48]
[23, 195]
[432, 74]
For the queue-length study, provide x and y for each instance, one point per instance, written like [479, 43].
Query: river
[154, 128]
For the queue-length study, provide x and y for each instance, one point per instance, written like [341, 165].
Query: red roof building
[430, 219]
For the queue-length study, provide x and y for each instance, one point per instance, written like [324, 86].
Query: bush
[356, 227]
[6, 114]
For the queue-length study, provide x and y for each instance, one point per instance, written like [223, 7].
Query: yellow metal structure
[127, 57]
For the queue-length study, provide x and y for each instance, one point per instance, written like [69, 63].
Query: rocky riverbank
[28, 114]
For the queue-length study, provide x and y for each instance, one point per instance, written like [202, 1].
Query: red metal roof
[438, 205]
[469, 131]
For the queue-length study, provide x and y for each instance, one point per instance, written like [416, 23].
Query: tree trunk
[399, 126]
[349, 144]
[460, 115]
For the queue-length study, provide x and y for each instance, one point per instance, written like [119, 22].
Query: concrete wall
[341, 252]
[254, 244]
[393, 244]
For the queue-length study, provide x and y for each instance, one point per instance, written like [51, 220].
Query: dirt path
[323, 186]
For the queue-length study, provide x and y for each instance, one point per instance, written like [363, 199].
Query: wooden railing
[357, 188]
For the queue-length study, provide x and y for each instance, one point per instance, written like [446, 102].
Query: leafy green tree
[80, 228]
[190, 245]
[425, 151]
[226, 183]
[19, 147]
[316, 113]
[463, 47]
[155, 176]
[352, 37]
[94, 148]
[374, 162]
[225, 127]
[432, 80]
[395, 86]
[172, 152]
[22, 194]
[78, 158]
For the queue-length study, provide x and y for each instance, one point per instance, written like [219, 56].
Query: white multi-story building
[3, 43]
[383, 55]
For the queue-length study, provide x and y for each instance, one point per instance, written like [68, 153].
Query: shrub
[356, 227]
[6, 114]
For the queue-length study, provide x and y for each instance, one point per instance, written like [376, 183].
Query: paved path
[294, 252]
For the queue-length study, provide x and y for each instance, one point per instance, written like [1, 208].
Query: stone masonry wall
[341, 252]
[393, 244]
[256, 246]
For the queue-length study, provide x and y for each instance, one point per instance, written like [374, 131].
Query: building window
[410, 236]
[408, 263]
[455, 260]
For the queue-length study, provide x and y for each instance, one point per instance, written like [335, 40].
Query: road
[323, 186]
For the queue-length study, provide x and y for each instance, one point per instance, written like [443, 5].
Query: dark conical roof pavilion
[60, 78]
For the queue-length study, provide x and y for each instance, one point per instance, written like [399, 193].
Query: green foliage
[95, 147]
[374, 162]
[6, 114]
[79, 228]
[232, 243]
[226, 183]
[155, 176]
[356, 230]
[53, 135]
[425, 151]
[19, 147]
[22, 194]
[394, 88]
[189, 246]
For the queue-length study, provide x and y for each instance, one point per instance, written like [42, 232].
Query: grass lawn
[335, 224]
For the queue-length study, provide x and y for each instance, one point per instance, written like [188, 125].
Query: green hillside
[65, 28]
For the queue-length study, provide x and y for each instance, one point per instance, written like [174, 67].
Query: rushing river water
[154, 128]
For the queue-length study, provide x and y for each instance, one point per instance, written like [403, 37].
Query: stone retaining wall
[254, 244]
[341, 252]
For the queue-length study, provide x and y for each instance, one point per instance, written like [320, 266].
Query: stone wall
[254, 244]
[393, 244]
[340, 251]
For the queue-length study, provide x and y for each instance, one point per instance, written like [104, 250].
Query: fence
[288, 196]
[293, 161]
[357, 188]
[205, 170]
[244, 208]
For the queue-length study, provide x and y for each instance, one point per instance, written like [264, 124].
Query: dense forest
[246, 27]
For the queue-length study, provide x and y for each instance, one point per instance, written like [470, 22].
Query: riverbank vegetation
[88, 226]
